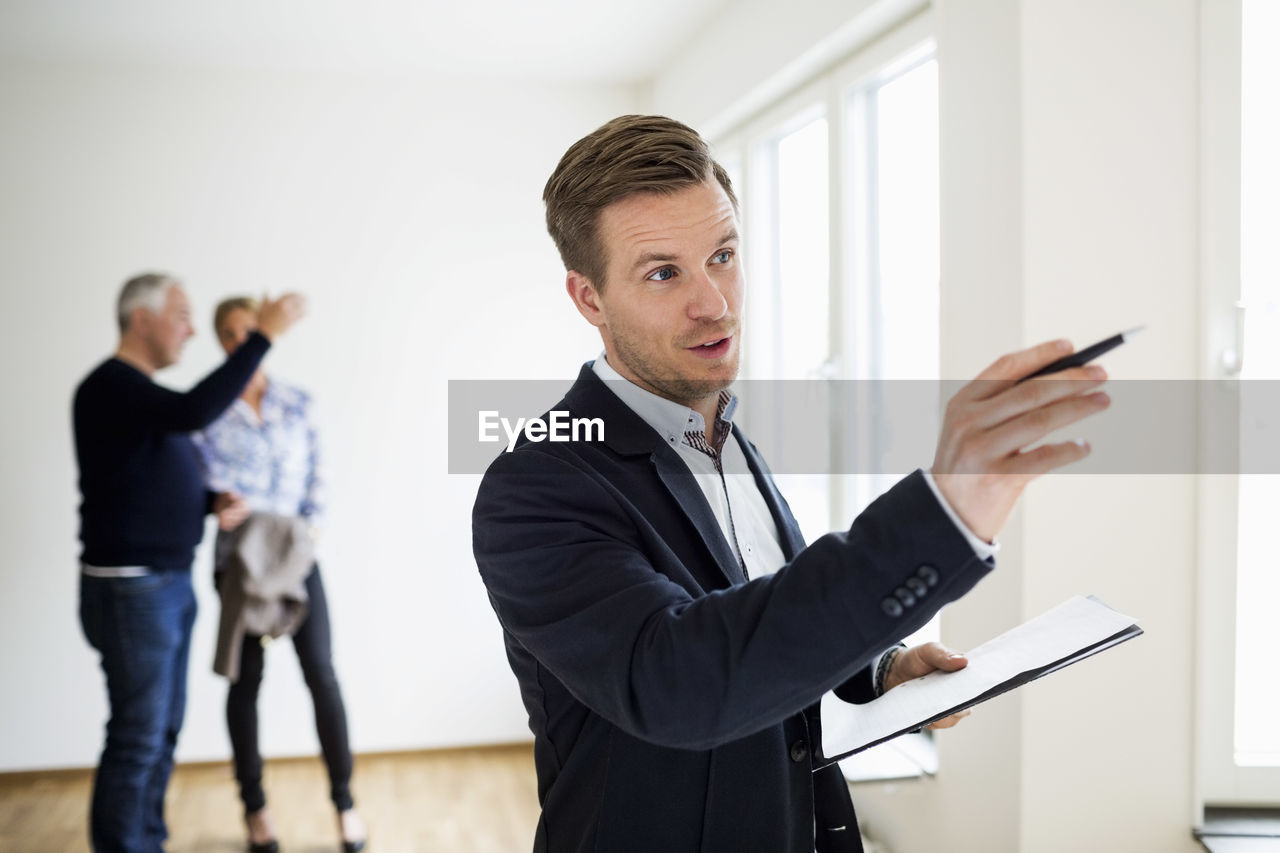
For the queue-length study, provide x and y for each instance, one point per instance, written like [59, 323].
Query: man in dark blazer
[671, 633]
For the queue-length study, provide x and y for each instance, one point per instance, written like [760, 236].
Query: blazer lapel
[675, 475]
[788, 530]
[627, 434]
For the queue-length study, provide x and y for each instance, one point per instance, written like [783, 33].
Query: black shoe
[352, 846]
[271, 846]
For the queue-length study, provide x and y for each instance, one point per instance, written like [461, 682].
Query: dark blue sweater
[143, 492]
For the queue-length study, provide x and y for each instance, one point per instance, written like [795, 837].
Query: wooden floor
[473, 800]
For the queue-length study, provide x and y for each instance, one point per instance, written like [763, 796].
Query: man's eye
[664, 274]
[722, 257]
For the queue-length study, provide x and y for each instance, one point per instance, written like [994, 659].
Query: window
[840, 194]
[894, 317]
[1239, 742]
[1257, 697]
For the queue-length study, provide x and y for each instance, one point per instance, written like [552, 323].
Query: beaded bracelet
[882, 668]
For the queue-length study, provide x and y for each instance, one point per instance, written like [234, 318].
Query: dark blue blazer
[672, 702]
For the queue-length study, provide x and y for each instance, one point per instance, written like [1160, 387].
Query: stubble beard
[678, 389]
[162, 356]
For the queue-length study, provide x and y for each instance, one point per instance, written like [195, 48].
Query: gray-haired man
[141, 516]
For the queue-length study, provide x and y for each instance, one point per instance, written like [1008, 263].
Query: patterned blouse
[273, 460]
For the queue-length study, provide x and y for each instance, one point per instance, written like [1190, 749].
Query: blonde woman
[263, 449]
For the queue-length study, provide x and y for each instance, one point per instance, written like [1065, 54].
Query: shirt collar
[669, 419]
[271, 406]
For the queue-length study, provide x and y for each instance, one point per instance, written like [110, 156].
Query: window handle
[1233, 356]
[829, 369]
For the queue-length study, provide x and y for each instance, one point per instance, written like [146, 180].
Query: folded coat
[264, 563]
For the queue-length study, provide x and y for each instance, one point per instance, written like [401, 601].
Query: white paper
[1076, 624]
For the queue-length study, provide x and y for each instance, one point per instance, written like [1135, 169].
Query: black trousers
[312, 643]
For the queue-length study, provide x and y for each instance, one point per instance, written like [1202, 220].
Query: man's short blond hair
[234, 303]
[628, 155]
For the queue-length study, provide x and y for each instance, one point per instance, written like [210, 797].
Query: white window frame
[894, 52]
[1219, 780]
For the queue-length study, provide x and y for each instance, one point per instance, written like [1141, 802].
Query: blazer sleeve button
[928, 574]
[892, 607]
[799, 751]
[904, 595]
[917, 586]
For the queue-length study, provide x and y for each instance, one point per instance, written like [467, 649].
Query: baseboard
[18, 778]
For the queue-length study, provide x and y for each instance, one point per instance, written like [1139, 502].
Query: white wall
[757, 50]
[1070, 206]
[1111, 232]
[410, 212]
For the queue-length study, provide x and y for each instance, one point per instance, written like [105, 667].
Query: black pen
[1086, 355]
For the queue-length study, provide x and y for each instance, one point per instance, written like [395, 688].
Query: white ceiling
[588, 40]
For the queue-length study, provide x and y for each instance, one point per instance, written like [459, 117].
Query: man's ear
[585, 297]
[139, 320]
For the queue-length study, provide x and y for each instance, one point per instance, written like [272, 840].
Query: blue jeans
[142, 628]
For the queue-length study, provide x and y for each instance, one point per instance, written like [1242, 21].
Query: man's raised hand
[982, 463]
[276, 316]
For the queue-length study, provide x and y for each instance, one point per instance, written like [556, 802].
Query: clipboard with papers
[1078, 628]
